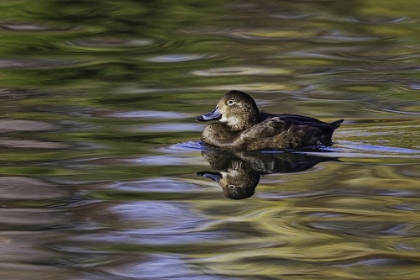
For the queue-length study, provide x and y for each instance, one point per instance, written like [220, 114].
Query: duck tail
[337, 123]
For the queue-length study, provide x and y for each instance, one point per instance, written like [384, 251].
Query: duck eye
[230, 102]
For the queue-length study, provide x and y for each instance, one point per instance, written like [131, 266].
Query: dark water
[99, 150]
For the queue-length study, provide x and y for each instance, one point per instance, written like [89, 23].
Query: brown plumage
[243, 127]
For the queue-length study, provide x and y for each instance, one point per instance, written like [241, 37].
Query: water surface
[102, 175]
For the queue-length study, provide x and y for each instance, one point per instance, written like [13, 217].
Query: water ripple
[185, 147]
[31, 144]
[109, 43]
[275, 35]
[149, 114]
[413, 108]
[25, 125]
[17, 26]
[239, 71]
[174, 58]
[377, 20]
[33, 63]
[168, 127]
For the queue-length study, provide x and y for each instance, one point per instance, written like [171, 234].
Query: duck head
[237, 109]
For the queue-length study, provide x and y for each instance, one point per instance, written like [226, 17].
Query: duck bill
[215, 176]
[213, 115]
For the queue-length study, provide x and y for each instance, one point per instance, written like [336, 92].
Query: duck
[243, 127]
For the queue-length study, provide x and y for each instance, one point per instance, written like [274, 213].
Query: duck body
[243, 127]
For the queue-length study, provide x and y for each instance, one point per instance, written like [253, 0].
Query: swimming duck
[243, 127]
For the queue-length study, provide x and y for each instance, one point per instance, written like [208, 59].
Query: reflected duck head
[237, 182]
[236, 109]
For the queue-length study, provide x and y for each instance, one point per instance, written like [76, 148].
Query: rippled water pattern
[102, 175]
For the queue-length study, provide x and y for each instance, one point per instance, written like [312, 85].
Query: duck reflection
[241, 171]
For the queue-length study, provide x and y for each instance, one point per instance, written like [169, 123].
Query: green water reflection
[100, 151]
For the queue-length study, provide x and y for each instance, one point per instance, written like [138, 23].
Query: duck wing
[288, 131]
[267, 128]
[292, 119]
